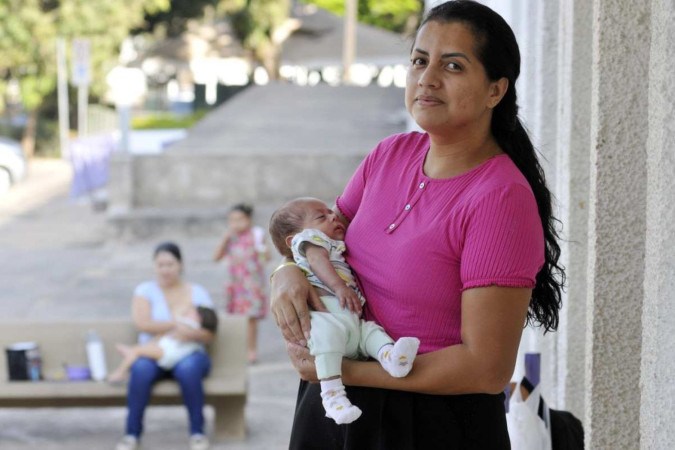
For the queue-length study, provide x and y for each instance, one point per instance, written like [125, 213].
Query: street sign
[81, 63]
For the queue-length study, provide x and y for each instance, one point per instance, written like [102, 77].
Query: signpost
[81, 77]
[62, 91]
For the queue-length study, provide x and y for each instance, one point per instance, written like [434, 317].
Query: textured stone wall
[178, 180]
[572, 168]
[620, 110]
[657, 407]
[614, 165]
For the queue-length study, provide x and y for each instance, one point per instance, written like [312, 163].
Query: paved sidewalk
[57, 262]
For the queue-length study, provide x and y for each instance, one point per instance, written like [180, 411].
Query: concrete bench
[64, 342]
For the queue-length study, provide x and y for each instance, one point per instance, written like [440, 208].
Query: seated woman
[156, 308]
[167, 349]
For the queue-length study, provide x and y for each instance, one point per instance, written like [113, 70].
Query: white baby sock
[397, 358]
[335, 402]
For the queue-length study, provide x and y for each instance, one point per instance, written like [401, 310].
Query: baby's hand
[348, 298]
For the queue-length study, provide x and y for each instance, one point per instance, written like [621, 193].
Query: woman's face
[447, 88]
[167, 268]
[238, 221]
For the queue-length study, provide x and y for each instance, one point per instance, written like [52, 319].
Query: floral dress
[245, 292]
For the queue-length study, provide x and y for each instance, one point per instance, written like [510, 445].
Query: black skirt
[393, 420]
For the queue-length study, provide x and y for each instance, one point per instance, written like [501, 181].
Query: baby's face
[320, 217]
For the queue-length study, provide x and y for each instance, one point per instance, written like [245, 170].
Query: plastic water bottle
[96, 356]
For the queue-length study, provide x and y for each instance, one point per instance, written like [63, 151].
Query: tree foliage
[30, 29]
[28, 41]
[395, 15]
[106, 25]
[174, 19]
[256, 23]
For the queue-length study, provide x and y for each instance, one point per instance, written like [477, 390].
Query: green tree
[106, 25]
[259, 24]
[28, 43]
[396, 15]
[174, 19]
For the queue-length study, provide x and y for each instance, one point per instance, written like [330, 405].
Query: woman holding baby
[451, 235]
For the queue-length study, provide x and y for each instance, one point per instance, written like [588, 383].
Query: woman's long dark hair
[498, 51]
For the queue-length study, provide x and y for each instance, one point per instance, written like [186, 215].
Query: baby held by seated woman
[168, 349]
[308, 231]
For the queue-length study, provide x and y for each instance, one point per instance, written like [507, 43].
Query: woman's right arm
[291, 296]
[141, 314]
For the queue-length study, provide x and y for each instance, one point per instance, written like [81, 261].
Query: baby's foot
[116, 377]
[397, 359]
[124, 350]
[338, 407]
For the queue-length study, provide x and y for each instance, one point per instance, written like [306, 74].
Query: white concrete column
[536, 25]
[502, 7]
[544, 124]
[657, 406]
[572, 184]
[619, 124]
[428, 4]
[526, 33]
[543, 129]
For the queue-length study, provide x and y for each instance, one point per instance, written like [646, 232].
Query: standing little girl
[243, 247]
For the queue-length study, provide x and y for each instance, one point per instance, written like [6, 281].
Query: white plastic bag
[527, 431]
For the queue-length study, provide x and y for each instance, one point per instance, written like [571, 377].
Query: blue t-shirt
[159, 309]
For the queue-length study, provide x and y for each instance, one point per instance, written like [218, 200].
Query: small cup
[78, 373]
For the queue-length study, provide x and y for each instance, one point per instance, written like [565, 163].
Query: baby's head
[301, 213]
[199, 317]
[208, 318]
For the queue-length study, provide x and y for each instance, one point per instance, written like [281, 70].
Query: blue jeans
[189, 373]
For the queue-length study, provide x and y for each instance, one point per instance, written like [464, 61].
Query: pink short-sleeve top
[416, 243]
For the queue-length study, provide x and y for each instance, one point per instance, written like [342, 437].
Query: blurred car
[12, 163]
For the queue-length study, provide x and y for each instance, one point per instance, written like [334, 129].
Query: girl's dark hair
[244, 208]
[497, 49]
[208, 317]
[168, 247]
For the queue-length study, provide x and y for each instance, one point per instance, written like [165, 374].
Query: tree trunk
[28, 138]
[269, 57]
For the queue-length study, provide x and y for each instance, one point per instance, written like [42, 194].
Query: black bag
[567, 432]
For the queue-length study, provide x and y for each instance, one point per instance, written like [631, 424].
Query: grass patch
[166, 121]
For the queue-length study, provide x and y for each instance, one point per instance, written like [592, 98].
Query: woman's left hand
[302, 361]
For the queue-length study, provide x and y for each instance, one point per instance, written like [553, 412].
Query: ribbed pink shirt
[417, 243]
